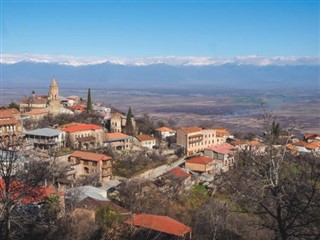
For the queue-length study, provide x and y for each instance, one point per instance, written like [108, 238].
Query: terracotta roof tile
[111, 136]
[178, 172]
[158, 223]
[165, 129]
[224, 148]
[200, 160]
[7, 117]
[142, 138]
[221, 132]
[36, 112]
[191, 129]
[27, 194]
[90, 156]
[310, 135]
[77, 108]
[313, 146]
[300, 144]
[6, 113]
[77, 127]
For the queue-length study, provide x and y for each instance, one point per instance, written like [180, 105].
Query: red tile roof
[165, 129]
[115, 136]
[224, 148]
[77, 108]
[77, 127]
[90, 156]
[25, 194]
[310, 135]
[142, 138]
[36, 112]
[300, 143]
[191, 129]
[200, 160]
[314, 145]
[178, 172]
[158, 223]
[221, 132]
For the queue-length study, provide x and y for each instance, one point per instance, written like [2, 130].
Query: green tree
[89, 102]
[108, 216]
[14, 105]
[129, 126]
[52, 207]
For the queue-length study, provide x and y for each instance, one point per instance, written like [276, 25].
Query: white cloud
[8, 58]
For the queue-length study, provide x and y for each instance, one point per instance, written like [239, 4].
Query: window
[94, 164]
[86, 170]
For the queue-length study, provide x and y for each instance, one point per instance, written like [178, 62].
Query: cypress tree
[129, 125]
[89, 102]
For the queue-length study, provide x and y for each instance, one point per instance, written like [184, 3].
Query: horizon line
[69, 60]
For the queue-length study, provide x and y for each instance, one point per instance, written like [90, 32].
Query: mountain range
[163, 76]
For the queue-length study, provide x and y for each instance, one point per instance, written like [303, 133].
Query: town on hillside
[74, 169]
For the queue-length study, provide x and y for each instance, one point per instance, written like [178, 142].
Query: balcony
[43, 141]
[106, 173]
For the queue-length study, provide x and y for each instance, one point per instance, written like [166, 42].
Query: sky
[160, 28]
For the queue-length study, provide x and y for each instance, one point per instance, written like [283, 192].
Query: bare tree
[281, 189]
[20, 181]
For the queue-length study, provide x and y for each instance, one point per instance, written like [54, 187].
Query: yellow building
[195, 139]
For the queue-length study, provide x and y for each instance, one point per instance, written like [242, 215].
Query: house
[255, 147]
[77, 108]
[118, 121]
[19, 192]
[200, 164]
[195, 139]
[88, 163]
[307, 147]
[223, 135]
[78, 194]
[168, 227]
[223, 154]
[83, 136]
[33, 102]
[46, 138]
[146, 141]
[94, 204]
[67, 102]
[311, 137]
[10, 127]
[164, 132]
[105, 112]
[36, 114]
[176, 178]
[118, 141]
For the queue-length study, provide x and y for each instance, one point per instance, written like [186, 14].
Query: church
[49, 104]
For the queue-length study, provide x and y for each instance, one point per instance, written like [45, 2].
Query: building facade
[117, 123]
[83, 136]
[85, 164]
[118, 141]
[46, 138]
[164, 132]
[10, 127]
[195, 139]
[146, 141]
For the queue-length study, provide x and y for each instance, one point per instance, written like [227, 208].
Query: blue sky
[161, 28]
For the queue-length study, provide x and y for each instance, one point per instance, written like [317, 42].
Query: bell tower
[54, 90]
[53, 97]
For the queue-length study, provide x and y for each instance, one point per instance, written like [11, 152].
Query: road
[152, 174]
